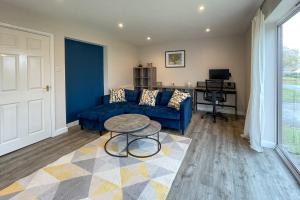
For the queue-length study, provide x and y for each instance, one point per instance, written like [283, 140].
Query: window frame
[282, 153]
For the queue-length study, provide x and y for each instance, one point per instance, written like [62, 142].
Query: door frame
[52, 69]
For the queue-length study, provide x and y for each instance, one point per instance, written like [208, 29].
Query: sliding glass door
[289, 90]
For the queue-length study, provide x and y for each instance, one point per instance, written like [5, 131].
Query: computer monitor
[220, 74]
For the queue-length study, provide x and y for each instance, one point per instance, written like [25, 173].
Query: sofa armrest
[185, 113]
[105, 99]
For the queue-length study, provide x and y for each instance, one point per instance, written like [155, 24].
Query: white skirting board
[265, 143]
[71, 124]
[268, 144]
[60, 131]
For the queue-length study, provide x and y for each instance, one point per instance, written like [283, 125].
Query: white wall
[120, 56]
[248, 44]
[201, 55]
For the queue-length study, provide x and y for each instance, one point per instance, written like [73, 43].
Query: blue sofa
[94, 118]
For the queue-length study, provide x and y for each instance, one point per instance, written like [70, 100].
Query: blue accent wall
[84, 77]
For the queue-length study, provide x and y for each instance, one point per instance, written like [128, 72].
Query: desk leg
[236, 107]
[195, 100]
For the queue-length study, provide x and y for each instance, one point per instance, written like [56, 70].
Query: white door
[25, 116]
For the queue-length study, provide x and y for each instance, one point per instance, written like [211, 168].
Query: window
[289, 90]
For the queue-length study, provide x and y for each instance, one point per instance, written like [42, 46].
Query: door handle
[47, 88]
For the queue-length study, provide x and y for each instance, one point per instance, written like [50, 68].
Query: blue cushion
[131, 95]
[158, 98]
[165, 97]
[102, 113]
[105, 99]
[162, 112]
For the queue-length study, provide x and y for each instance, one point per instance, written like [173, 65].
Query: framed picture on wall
[175, 59]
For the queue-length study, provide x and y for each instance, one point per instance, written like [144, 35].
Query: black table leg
[112, 137]
[236, 108]
[127, 145]
[147, 138]
[158, 148]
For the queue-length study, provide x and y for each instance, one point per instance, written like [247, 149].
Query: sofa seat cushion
[162, 112]
[102, 113]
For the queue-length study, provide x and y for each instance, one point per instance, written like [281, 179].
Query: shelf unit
[144, 77]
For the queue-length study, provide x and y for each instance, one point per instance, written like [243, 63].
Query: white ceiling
[163, 20]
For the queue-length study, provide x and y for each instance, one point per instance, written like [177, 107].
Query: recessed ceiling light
[148, 38]
[201, 8]
[120, 25]
[207, 30]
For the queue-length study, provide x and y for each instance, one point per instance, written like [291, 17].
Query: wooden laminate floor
[218, 165]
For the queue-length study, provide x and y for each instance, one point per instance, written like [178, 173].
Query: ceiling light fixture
[201, 8]
[207, 30]
[148, 38]
[120, 25]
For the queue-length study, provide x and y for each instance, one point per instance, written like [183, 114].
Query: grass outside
[291, 80]
[290, 96]
[291, 139]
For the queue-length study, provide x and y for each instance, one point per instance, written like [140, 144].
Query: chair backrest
[214, 85]
[214, 90]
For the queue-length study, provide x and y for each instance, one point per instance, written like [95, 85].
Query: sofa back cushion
[117, 95]
[148, 97]
[177, 98]
[165, 97]
[162, 98]
[105, 99]
[131, 95]
[157, 99]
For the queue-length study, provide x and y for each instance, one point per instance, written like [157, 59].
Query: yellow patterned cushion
[177, 98]
[117, 95]
[148, 97]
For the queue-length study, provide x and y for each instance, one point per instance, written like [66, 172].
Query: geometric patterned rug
[90, 173]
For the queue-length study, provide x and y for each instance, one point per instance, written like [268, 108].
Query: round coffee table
[131, 124]
[144, 134]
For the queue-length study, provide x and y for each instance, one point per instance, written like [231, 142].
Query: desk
[229, 88]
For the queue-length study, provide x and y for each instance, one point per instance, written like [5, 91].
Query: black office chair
[214, 93]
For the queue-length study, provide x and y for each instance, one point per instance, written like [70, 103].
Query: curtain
[254, 119]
